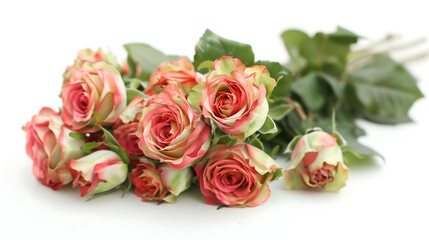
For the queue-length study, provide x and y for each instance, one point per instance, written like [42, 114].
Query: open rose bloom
[159, 182]
[51, 148]
[317, 162]
[234, 97]
[236, 176]
[172, 131]
[93, 89]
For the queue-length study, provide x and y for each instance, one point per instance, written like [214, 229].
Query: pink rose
[234, 97]
[159, 182]
[172, 131]
[125, 130]
[180, 72]
[93, 88]
[51, 147]
[236, 176]
[317, 162]
[87, 55]
[97, 172]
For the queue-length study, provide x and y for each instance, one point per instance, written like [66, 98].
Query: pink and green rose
[171, 130]
[159, 182]
[236, 176]
[51, 148]
[234, 97]
[93, 89]
[98, 172]
[317, 162]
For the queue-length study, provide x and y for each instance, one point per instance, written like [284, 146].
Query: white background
[38, 39]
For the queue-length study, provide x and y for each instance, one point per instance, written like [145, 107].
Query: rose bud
[159, 182]
[180, 72]
[236, 176]
[87, 55]
[93, 88]
[234, 97]
[125, 130]
[98, 172]
[50, 147]
[317, 162]
[172, 131]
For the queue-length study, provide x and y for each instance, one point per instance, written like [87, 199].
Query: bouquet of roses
[160, 123]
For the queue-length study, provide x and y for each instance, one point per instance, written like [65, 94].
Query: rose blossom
[234, 96]
[236, 176]
[87, 55]
[125, 130]
[51, 147]
[93, 89]
[317, 161]
[171, 130]
[180, 72]
[98, 172]
[159, 182]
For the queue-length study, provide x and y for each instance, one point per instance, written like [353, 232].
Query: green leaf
[382, 90]
[278, 111]
[132, 66]
[336, 86]
[293, 39]
[256, 142]
[269, 126]
[206, 64]
[132, 93]
[195, 95]
[147, 57]
[312, 92]
[349, 131]
[344, 36]
[126, 186]
[283, 77]
[76, 135]
[87, 147]
[109, 138]
[211, 47]
[274, 151]
[224, 139]
[353, 158]
[323, 54]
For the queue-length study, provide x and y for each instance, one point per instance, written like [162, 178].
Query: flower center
[323, 175]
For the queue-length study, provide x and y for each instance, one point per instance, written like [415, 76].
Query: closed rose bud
[98, 172]
[234, 97]
[317, 162]
[180, 72]
[236, 176]
[159, 182]
[93, 89]
[51, 148]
